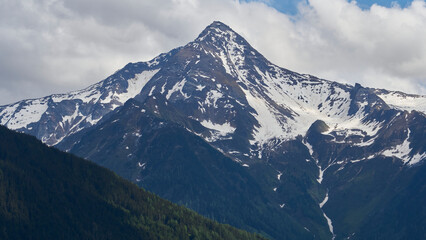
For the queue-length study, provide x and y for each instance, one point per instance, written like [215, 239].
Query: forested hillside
[48, 194]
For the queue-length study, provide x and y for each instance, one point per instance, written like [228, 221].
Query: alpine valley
[216, 127]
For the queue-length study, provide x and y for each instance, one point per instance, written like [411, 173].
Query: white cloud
[380, 47]
[52, 46]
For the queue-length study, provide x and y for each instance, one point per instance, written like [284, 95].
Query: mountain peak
[218, 32]
[219, 25]
[220, 41]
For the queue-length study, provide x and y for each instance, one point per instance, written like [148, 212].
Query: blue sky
[290, 6]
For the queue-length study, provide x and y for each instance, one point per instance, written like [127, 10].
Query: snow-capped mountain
[297, 136]
[218, 80]
[53, 118]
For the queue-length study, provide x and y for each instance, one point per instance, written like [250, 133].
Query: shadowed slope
[48, 194]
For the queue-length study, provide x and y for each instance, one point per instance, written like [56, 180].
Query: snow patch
[324, 201]
[320, 175]
[329, 222]
[152, 90]
[402, 152]
[417, 158]
[330, 225]
[200, 87]
[404, 101]
[367, 143]
[212, 97]
[141, 165]
[163, 88]
[135, 86]
[224, 129]
[31, 112]
[310, 148]
[178, 87]
[92, 121]
[269, 126]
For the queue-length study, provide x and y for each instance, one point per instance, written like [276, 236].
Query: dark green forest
[48, 194]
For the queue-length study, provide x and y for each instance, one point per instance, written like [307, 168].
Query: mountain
[48, 194]
[178, 165]
[215, 126]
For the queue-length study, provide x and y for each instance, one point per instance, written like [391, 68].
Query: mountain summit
[217, 127]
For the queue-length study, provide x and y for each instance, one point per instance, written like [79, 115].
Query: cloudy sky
[55, 46]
